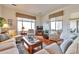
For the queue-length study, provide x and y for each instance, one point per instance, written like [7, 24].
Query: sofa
[8, 47]
[70, 45]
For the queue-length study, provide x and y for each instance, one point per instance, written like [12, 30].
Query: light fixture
[13, 4]
[5, 27]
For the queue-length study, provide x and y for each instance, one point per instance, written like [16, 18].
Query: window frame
[55, 23]
[77, 25]
[24, 21]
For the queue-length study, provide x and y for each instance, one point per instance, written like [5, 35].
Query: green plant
[2, 21]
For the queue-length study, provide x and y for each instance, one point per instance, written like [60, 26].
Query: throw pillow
[64, 46]
[53, 49]
[4, 37]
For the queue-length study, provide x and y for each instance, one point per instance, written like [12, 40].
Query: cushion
[9, 40]
[74, 37]
[10, 51]
[53, 49]
[67, 35]
[77, 39]
[43, 51]
[63, 35]
[4, 37]
[73, 49]
[65, 45]
[5, 46]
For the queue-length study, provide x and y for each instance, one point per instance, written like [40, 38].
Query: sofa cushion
[43, 51]
[65, 45]
[13, 50]
[4, 37]
[67, 35]
[9, 40]
[74, 47]
[5, 46]
[53, 49]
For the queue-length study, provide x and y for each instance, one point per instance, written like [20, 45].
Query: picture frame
[10, 22]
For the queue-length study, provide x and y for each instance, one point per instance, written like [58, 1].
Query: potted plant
[2, 21]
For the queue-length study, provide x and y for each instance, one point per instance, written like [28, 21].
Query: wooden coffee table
[32, 45]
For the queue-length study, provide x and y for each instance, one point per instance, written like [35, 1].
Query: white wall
[9, 13]
[67, 14]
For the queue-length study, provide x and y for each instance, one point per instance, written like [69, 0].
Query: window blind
[25, 16]
[60, 13]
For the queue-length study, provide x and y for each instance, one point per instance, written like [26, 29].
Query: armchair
[30, 32]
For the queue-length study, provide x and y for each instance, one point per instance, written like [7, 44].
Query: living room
[49, 23]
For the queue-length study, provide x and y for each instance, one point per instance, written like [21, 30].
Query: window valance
[25, 16]
[60, 13]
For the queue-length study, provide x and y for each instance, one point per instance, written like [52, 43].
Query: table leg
[41, 46]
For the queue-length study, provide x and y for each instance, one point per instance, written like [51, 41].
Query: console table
[32, 45]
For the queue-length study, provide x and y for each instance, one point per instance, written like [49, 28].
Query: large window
[56, 23]
[73, 25]
[26, 23]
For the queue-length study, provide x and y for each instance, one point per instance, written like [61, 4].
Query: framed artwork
[10, 22]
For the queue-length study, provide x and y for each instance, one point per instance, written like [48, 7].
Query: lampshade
[5, 26]
[12, 33]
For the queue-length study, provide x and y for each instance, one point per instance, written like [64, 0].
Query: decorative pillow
[4, 37]
[67, 35]
[5, 46]
[8, 41]
[53, 49]
[74, 37]
[73, 49]
[65, 45]
[43, 51]
[77, 39]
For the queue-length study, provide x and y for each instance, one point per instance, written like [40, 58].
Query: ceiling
[37, 9]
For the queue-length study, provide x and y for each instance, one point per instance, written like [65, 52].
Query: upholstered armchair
[30, 32]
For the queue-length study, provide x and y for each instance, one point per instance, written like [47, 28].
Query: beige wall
[0, 10]
[10, 13]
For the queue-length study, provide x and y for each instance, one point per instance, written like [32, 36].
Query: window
[73, 25]
[52, 25]
[19, 25]
[56, 23]
[26, 23]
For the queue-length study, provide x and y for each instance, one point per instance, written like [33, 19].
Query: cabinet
[39, 30]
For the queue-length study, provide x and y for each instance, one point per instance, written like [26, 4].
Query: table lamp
[12, 33]
[5, 27]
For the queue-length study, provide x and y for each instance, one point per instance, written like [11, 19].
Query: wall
[10, 13]
[68, 11]
[0, 10]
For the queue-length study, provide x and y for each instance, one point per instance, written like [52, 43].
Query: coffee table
[32, 44]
